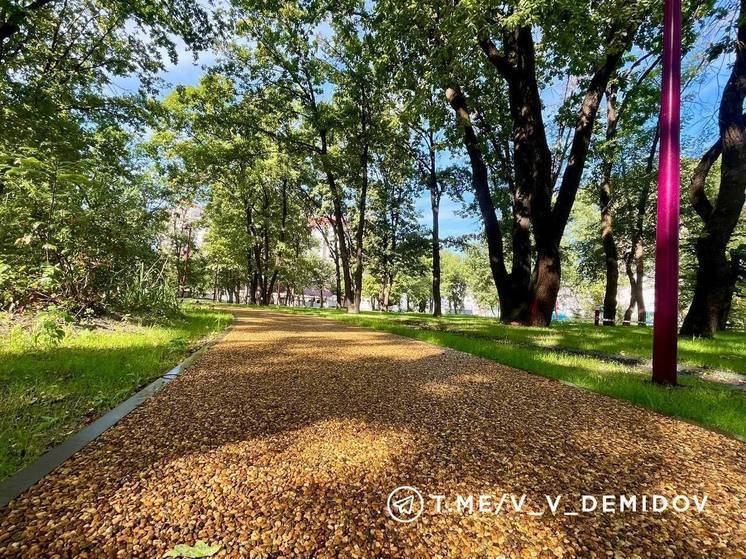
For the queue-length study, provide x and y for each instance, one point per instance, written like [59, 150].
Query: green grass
[539, 351]
[48, 393]
[727, 351]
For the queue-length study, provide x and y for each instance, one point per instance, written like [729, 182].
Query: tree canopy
[311, 158]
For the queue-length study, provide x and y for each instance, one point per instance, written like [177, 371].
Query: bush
[146, 293]
[49, 327]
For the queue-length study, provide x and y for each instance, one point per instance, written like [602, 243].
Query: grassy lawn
[540, 351]
[726, 352]
[48, 393]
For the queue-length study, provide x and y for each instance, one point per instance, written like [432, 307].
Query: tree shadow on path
[286, 438]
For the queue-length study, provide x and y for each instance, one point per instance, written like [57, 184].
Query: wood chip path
[286, 438]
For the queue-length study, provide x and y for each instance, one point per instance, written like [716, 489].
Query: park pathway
[286, 438]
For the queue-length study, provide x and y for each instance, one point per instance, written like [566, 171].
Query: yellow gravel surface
[286, 438]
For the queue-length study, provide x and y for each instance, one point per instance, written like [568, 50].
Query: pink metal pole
[665, 329]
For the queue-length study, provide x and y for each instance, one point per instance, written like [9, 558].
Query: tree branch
[582, 139]
[697, 194]
[496, 58]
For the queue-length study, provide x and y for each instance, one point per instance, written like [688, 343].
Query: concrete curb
[19, 482]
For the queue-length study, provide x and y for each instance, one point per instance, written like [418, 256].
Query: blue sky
[699, 119]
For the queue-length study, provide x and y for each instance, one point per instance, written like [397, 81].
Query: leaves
[200, 549]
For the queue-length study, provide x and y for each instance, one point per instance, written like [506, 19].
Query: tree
[424, 116]
[395, 242]
[414, 284]
[717, 272]
[250, 184]
[81, 211]
[320, 274]
[285, 72]
[479, 277]
[505, 37]
[73, 231]
[454, 280]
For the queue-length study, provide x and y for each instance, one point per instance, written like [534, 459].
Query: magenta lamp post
[665, 328]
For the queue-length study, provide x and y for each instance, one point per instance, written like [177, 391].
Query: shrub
[146, 293]
[49, 327]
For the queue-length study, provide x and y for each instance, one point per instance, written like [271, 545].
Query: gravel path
[286, 438]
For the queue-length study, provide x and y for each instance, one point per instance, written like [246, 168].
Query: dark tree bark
[435, 194]
[716, 276]
[527, 296]
[247, 297]
[333, 247]
[480, 184]
[362, 201]
[253, 286]
[635, 276]
[344, 255]
[265, 287]
[716, 271]
[388, 242]
[250, 273]
[337, 274]
[611, 255]
[389, 271]
[634, 259]
[215, 286]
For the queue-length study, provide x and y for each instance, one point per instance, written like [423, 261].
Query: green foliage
[454, 279]
[49, 327]
[146, 293]
[53, 389]
[479, 277]
[416, 284]
[69, 227]
[78, 206]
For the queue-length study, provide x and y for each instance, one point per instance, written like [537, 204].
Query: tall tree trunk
[386, 294]
[251, 269]
[435, 206]
[611, 255]
[337, 275]
[360, 232]
[339, 225]
[215, 286]
[635, 277]
[383, 296]
[278, 256]
[344, 255]
[254, 286]
[480, 184]
[265, 284]
[247, 298]
[260, 272]
[716, 272]
[636, 254]
[532, 162]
